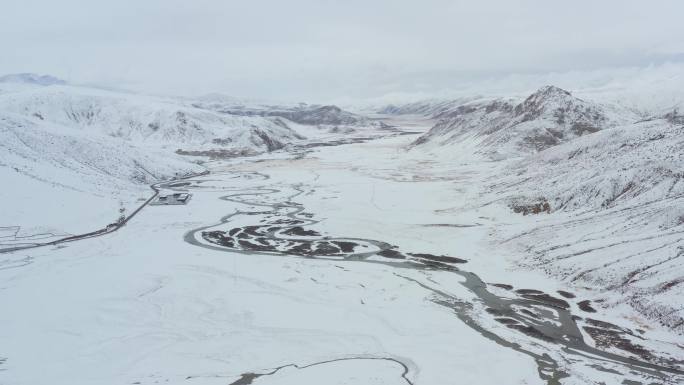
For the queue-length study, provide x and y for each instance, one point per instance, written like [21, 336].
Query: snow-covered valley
[81, 157]
[531, 240]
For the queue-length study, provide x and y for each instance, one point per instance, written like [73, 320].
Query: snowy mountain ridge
[509, 127]
[31, 78]
[324, 116]
[146, 120]
[56, 169]
[617, 199]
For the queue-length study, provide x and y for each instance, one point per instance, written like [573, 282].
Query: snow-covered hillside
[327, 117]
[506, 127]
[626, 164]
[594, 192]
[29, 78]
[616, 199]
[146, 120]
[429, 107]
[61, 180]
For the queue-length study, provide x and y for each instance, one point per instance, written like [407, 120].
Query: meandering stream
[283, 227]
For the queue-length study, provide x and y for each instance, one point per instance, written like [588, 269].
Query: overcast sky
[327, 49]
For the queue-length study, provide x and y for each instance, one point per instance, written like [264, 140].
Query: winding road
[112, 227]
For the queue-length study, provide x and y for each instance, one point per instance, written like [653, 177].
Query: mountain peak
[547, 97]
[31, 78]
[550, 90]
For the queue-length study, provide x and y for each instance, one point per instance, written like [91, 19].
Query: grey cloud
[306, 49]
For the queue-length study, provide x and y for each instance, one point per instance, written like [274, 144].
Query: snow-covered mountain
[44, 150]
[600, 187]
[305, 114]
[617, 203]
[626, 164]
[62, 180]
[148, 120]
[428, 107]
[503, 127]
[30, 78]
[592, 192]
[329, 117]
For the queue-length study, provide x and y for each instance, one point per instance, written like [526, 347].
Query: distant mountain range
[29, 78]
[326, 116]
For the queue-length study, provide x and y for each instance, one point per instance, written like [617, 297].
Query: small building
[173, 199]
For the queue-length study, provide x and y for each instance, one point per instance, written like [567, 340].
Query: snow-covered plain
[379, 255]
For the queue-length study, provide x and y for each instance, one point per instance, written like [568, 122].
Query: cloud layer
[323, 49]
